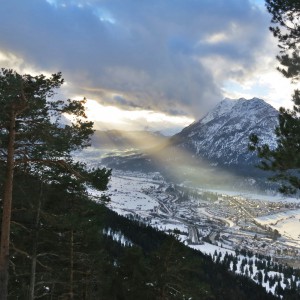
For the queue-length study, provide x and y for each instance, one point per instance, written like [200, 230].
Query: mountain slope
[73, 239]
[222, 136]
[214, 150]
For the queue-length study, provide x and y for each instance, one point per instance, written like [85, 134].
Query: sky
[146, 64]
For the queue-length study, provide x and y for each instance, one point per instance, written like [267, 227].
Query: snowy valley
[253, 231]
[215, 222]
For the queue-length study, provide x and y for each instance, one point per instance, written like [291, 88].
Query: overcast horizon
[148, 64]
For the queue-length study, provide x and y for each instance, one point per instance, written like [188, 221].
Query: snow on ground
[127, 194]
[255, 196]
[140, 195]
[209, 249]
[117, 236]
[287, 223]
[170, 225]
[203, 211]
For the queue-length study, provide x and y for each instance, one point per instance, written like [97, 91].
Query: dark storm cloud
[145, 53]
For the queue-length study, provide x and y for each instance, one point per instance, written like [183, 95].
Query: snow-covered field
[271, 197]
[287, 223]
[209, 249]
[128, 194]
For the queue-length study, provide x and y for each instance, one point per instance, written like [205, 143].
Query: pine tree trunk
[32, 275]
[71, 265]
[7, 204]
[34, 248]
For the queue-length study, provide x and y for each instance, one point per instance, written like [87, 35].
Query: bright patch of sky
[104, 16]
[270, 86]
[52, 2]
[134, 119]
[259, 3]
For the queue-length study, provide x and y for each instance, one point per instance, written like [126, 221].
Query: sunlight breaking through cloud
[122, 119]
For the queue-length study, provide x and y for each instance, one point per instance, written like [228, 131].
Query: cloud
[134, 120]
[156, 55]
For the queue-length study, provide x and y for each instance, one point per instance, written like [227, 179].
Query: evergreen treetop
[35, 141]
[284, 160]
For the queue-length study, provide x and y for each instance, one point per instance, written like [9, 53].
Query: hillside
[85, 249]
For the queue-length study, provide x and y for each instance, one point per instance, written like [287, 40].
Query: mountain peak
[228, 106]
[221, 108]
[222, 135]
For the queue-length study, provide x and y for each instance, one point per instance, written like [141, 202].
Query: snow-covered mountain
[222, 135]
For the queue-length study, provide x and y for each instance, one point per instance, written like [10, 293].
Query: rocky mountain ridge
[222, 135]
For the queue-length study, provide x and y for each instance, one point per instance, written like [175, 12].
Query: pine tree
[285, 13]
[259, 277]
[284, 160]
[34, 141]
[61, 256]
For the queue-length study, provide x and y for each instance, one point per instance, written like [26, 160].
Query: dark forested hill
[59, 245]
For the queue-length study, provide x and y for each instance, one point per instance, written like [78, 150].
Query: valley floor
[215, 222]
[268, 225]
